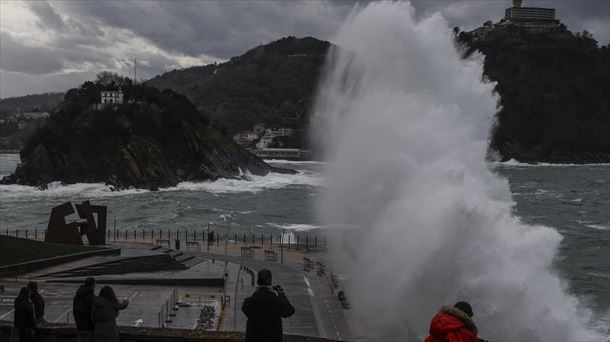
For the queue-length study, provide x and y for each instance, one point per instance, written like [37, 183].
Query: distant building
[282, 153]
[259, 128]
[264, 142]
[249, 136]
[35, 115]
[531, 18]
[279, 132]
[245, 138]
[111, 97]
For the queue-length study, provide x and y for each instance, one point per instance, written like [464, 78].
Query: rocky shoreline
[156, 140]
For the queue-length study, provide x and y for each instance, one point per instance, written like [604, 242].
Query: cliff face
[555, 105]
[157, 139]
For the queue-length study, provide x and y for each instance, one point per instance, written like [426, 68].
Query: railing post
[306, 242]
[26, 233]
[298, 240]
[316, 242]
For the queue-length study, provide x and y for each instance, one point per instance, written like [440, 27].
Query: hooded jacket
[104, 317]
[452, 325]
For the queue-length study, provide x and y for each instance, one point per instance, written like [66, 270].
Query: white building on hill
[111, 97]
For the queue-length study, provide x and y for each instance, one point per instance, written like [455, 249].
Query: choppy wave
[58, 189]
[256, 184]
[284, 161]
[95, 190]
[598, 226]
[516, 163]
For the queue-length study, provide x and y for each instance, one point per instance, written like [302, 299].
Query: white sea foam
[57, 189]
[406, 123]
[97, 190]
[283, 161]
[294, 227]
[515, 163]
[598, 226]
[254, 185]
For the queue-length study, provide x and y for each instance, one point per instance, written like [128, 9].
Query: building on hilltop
[535, 19]
[111, 97]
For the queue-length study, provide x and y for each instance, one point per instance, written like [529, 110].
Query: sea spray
[405, 123]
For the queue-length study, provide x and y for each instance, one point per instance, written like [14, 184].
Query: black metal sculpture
[59, 231]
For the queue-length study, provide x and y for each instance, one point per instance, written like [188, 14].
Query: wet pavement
[318, 310]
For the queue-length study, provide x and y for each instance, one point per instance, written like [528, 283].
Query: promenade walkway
[318, 311]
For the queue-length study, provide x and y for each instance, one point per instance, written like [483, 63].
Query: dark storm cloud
[81, 38]
[220, 29]
[17, 57]
[49, 19]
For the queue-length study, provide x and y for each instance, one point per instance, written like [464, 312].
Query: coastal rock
[154, 140]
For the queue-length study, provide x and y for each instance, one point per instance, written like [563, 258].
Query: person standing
[81, 309]
[454, 324]
[265, 309]
[38, 302]
[25, 319]
[105, 310]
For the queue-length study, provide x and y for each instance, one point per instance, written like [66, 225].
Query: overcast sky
[53, 46]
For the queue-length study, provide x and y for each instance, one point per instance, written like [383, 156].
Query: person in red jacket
[453, 324]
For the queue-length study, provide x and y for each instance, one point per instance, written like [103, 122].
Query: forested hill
[30, 103]
[273, 84]
[555, 98]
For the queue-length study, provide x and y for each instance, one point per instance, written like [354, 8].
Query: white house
[279, 132]
[259, 128]
[264, 142]
[111, 97]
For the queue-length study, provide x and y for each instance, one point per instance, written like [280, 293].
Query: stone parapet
[56, 332]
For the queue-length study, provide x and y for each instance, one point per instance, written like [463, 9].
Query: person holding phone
[265, 310]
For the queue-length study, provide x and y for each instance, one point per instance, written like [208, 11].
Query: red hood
[442, 324]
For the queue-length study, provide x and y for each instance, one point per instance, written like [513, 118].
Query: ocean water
[573, 199]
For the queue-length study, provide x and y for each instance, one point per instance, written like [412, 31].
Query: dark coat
[25, 320]
[104, 317]
[38, 302]
[82, 306]
[265, 310]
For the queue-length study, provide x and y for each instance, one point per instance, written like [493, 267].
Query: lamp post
[208, 237]
[226, 274]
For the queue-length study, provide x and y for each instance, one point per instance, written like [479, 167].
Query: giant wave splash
[405, 122]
